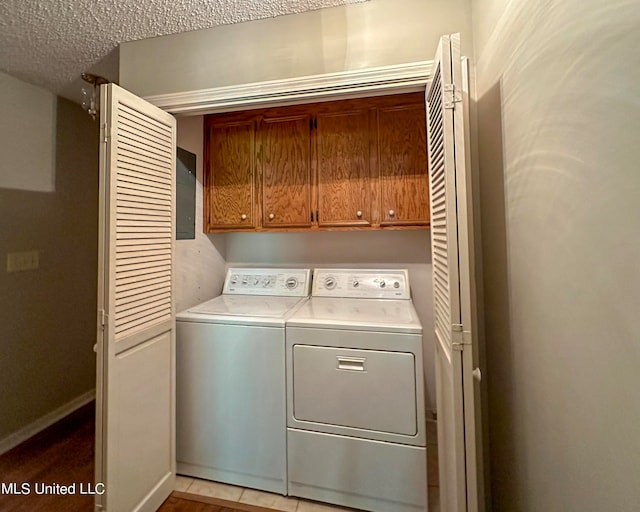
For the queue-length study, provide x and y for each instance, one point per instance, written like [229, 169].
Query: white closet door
[135, 406]
[451, 243]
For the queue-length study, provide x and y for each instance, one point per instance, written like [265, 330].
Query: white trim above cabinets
[409, 77]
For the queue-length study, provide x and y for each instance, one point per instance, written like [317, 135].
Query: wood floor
[61, 454]
[64, 454]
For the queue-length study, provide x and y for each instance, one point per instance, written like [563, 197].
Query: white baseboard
[13, 440]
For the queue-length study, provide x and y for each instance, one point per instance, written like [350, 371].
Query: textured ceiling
[49, 43]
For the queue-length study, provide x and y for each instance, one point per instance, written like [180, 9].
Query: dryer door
[373, 390]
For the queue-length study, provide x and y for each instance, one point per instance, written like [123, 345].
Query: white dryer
[230, 379]
[355, 393]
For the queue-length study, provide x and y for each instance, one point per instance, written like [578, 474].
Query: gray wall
[559, 126]
[350, 37]
[48, 315]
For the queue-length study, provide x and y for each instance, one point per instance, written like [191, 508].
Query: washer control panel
[361, 283]
[268, 281]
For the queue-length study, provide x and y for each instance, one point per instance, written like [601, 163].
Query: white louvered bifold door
[452, 276]
[135, 406]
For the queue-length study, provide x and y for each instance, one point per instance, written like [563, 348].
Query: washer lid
[242, 309]
[381, 315]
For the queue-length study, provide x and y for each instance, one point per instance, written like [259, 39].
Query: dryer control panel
[361, 283]
[268, 281]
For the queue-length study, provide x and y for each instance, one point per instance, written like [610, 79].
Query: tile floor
[269, 500]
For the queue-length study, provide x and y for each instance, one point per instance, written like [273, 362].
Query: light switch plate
[20, 261]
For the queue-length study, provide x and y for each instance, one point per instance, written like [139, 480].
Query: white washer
[230, 379]
[355, 394]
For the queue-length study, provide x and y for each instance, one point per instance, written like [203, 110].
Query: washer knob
[291, 283]
[355, 283]
[382, 284]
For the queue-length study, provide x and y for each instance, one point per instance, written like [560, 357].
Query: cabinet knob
[392, 213]
[358, 214]
[271, 216]
[243, 216]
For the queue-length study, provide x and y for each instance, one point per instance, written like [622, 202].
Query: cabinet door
[286, 171]
[344, 168]
[402, 164]
[229, 174]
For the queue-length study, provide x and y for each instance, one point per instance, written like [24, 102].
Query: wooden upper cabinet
[402, 165]
[230, 174]
[285, 167]
[344, 168]
[349, 164]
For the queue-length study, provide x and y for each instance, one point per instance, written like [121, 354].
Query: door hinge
[102, 318]
[451, 96]
[311, 216]
[459, 337]
[105, 132]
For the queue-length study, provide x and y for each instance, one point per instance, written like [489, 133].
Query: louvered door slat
[126, 214]
[128, 162]
[141, 150]
[133, 256]
[157, 222]
[142, 138]
[140, 287]
[134, 201]
[134, 176]
[151, 190]
[131, 116]
[140, 292]
[129, 326]
[441, 201]
[144, 169]
[134, 310]
[134, 154]
[136, 245]
[140, 145]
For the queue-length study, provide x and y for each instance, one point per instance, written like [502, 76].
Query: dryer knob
[382, 284]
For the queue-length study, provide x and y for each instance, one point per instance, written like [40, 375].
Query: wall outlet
[20, 261]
